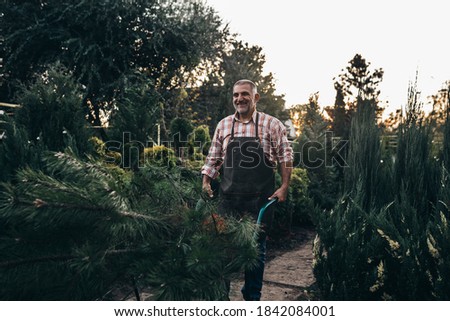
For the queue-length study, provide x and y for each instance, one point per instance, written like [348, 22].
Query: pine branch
[38, 203]
[51, 258]
[62, 258]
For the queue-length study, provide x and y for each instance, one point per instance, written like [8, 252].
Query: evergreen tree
[345, 233]
[79, 230]
[16, 150]
[364, 156]
[102, 42]
[50, 117]
[387, 238]
[180, 129]
[137, 112]
[200, 140]
[438, 236]
[356, 82]
[438, 116]
[52, 111]
[313, 151]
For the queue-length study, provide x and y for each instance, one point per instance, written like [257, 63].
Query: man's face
[244, 100]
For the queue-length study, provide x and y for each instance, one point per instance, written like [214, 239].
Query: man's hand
[206, 186]
[207, 189]
[280, 193]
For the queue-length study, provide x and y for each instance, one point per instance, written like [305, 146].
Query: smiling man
[247, 146]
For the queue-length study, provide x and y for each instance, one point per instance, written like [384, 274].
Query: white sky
[307, 43]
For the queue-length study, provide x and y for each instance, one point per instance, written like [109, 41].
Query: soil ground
[288, 273]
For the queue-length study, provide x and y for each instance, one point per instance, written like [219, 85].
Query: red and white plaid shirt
[271, 132]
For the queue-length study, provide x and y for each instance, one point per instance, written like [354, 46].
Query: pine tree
[52, 111]
[79, 230]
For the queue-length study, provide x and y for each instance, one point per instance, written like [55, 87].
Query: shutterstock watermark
[328, 152]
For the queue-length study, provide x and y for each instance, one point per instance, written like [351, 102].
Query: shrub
[387, 238]
[298, 208]
[160, 156]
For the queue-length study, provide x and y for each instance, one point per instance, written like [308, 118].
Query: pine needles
[77, 229]
[387, 238]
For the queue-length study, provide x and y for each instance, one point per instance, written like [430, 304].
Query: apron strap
[256, 126]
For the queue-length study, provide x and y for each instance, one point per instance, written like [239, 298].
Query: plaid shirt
[271, 132]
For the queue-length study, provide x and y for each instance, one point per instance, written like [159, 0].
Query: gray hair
[247, 82]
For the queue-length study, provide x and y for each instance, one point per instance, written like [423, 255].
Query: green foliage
[52, 111]
[16, 151]
[388, 237]
[313, 150]
[160, 156]
[407, 264]
[101, 152]
[180, 129]
[364, 156]
[136, 112]
[303, 207]
[75, 230]
[376, 255]
[102, 42]
[347, 263]
[345, 249]
[355, 83]
[438, 236]
[199, 143]
[299, 207]
[438, 242]
[415, 170]
[200, 140]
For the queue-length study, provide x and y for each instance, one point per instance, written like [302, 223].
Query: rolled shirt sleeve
[283, 149]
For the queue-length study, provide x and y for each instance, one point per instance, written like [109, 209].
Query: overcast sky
[307, 43]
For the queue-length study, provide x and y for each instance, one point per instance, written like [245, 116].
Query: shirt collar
[236, 116]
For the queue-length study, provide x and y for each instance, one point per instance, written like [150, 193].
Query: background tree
[50, 117]
[238, 61]
[17, 150]
[313, 148]
[52, 111]
[387, 238]
[438, 115]
[102, 42]
[200, 140]
[180, 129]
[356, 81]
[137, 111]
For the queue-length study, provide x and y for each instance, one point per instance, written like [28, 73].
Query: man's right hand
[206, 186]
[208, 190]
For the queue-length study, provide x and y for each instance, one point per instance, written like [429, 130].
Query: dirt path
[288, 274]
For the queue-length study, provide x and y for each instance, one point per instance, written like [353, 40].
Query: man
[247, 146]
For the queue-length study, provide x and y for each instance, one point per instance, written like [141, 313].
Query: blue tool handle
[264, 208]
